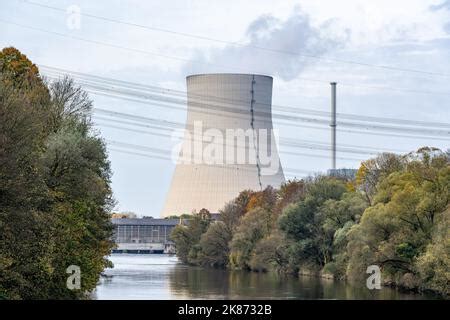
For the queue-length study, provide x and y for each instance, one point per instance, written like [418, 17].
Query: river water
[160, 276]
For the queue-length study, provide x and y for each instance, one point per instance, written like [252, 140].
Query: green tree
[337, 217]
[180, 235]
[373, 170]
[54, 185]
[187, 238]
[271, 253]
[336, 213]
[254, 225]
[433, 264]
[214, 245]
[25, 242]
[396, 231]
[303, 222]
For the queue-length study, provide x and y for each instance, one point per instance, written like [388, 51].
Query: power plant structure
[228, 143]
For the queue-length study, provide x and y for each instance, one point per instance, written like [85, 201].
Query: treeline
[395, 214]
[54, 185]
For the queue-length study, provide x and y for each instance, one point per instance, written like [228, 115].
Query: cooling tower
[228, 145]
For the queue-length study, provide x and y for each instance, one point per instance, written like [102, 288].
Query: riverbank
[429, 293]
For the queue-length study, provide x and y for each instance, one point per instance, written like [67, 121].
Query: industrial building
[228, 144]
[143, 235]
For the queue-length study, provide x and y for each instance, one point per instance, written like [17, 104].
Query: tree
[55, 190]
[289, 192]
[433, 264]
[396, 231]
[303, 223]
[187, 238]
[336, 213]
[271, 253]
[337, 217]
[69, 104]
[214, 245]
[373, 170]
[77, 174]
[231, 214]
[125, 214]
[254, 225]
[18, 70]
[204, 214]
[183, 241]
[263, 199]
[25, 249]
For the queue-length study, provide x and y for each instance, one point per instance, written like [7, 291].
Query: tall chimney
[333, 125]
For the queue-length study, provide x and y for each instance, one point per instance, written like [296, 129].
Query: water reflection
[162, 277]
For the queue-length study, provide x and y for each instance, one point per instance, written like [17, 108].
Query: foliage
[234, 210]
[122, 215]
[270, 253]
[19, 70]
[187, 237]
[289, 192]
[54, 186]
[304, 223]
[214, 245]
[183, 216]
[265, 199]
[254, 225]
[373, 170]
[397, 231]
[395, 213]
[433, 264]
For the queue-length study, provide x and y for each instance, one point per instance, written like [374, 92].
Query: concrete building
[143, 235]
[228, 145]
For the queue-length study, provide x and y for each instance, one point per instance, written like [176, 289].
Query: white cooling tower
[228, 146]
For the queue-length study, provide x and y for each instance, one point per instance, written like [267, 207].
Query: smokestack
[333, 125]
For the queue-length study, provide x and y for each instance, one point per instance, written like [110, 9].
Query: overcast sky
[403, 34]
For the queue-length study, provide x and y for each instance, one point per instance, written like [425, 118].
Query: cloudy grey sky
[402, 34]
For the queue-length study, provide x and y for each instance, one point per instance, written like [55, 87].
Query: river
[160, 276]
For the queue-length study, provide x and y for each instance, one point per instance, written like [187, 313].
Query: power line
[183, 102]
[366, 132]
[139, 154]
[292, 119]
[111, 45]
[233, 112]
[239, 44]
[292, 142]
[287, 172]
[170, 136]
[202, 62]
[391, 135]
[162, 154]
[161, 90]
[178, 125]
[287, 123]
